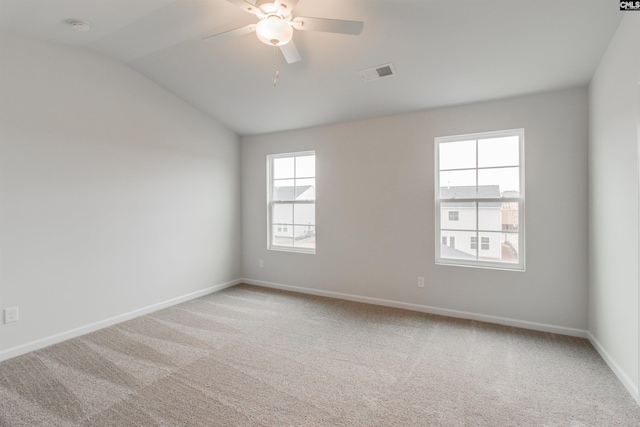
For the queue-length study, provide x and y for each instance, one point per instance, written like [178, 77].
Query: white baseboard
[428, 309]
[622, 376]
[54, 339]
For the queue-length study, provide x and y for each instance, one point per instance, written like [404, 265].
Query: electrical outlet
[421, 282]
[10, 314]
[261, 263]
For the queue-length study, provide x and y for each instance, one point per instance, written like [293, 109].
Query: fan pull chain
[275, 65]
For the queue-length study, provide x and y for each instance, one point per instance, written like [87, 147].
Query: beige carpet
[249, 356]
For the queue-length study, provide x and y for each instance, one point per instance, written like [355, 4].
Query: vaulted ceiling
[445, 52]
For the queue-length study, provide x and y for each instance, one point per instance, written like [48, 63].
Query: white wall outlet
[421, 282]
[10, 314]
[261, 263]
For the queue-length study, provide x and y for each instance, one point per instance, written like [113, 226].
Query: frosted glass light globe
[274, 31]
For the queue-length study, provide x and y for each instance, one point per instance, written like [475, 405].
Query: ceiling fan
[276, 24]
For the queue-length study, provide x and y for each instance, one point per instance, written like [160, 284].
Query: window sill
[481, 264]
[294, 250]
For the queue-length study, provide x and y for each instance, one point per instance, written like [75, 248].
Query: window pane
[304, 236]
[510, 217]
[305, 166]
[490, 248]
[283, 189]
[504, 151]
[305, 214]
[510, 247]
[507, 179]
[457, 184]
[489, 217]
[282, 213]
[306, 189]
[466, 216]
[457, 155]
[459, 245]
[488, 191]
[284, 237]
[283, 168]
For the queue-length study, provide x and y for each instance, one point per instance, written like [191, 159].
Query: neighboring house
[510, 219]
[458, 222]
[304, 218]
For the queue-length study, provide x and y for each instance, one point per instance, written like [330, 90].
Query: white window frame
[520, 201]
[271, 203]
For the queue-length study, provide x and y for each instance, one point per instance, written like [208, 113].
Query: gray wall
[375, 214]
[115, 195]
[613, 208]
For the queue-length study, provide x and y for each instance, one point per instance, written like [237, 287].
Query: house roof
[510, 193]
[449, 252]
[469, 192]
[287, 193]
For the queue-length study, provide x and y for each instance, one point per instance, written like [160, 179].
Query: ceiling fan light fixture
[274, 31]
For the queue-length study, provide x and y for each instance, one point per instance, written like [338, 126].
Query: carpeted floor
[248, 356]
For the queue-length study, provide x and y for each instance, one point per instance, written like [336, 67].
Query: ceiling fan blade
[215, 38]
[248, 7]
[328, 25]
[290, 52]
[288, 5]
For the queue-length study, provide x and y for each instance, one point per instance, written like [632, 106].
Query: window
[485, 244]
[292, 202]
[480, 198]
[452, 241]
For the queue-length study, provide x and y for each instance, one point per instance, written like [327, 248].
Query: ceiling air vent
[377, 72]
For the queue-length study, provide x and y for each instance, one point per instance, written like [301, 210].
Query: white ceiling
[445, 52]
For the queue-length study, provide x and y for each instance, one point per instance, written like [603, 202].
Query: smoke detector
[80, 26]
[377, 72]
